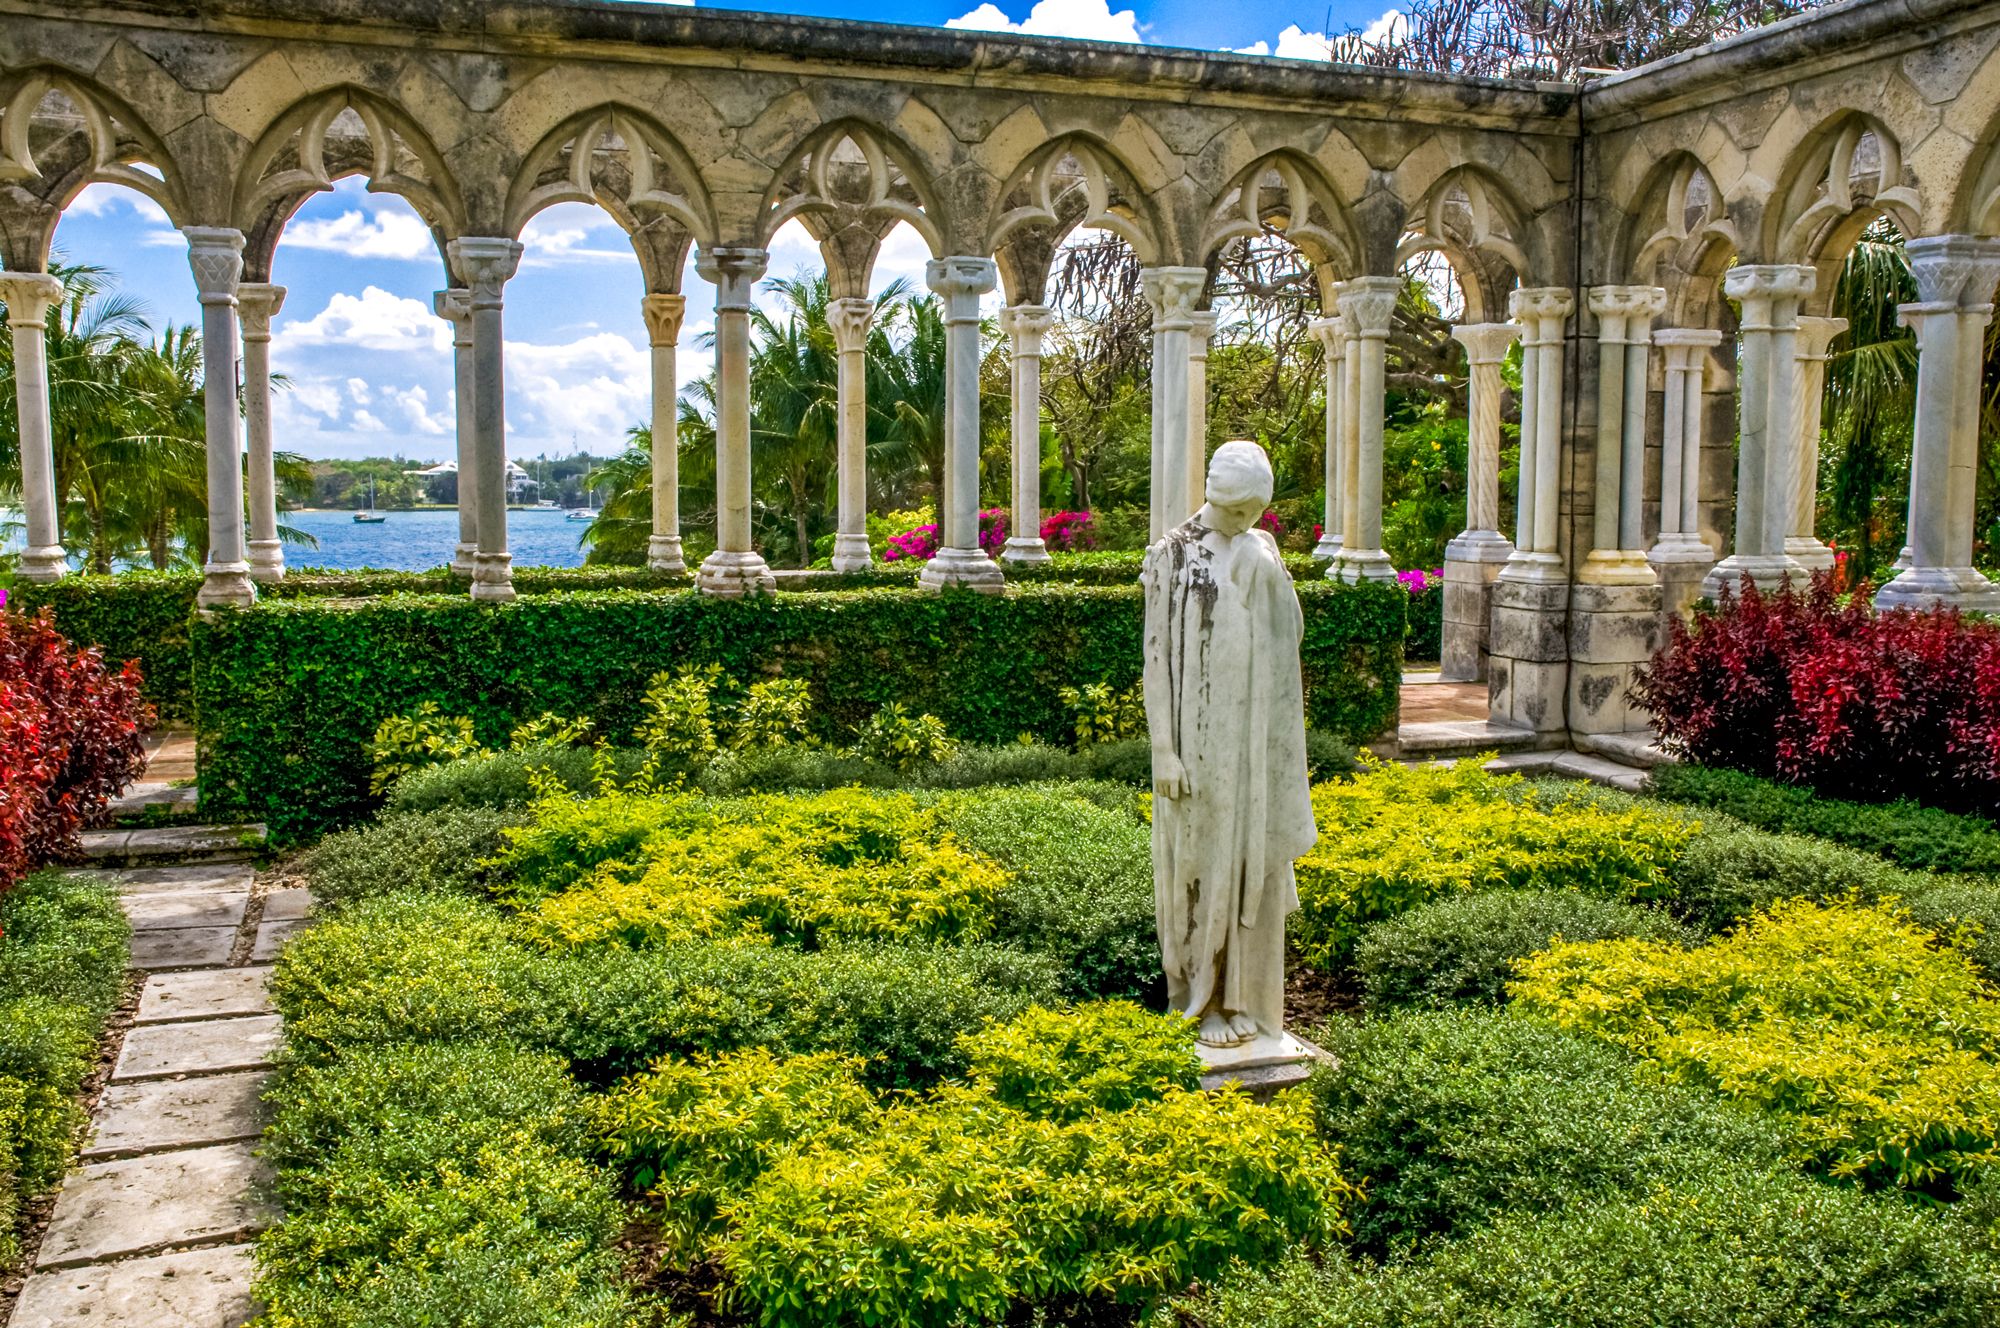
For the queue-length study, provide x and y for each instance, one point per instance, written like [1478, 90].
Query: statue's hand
[1170, 777]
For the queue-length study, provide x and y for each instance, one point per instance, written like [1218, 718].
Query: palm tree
[1870, 398]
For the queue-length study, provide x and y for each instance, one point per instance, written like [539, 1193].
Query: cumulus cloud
[363, 421]
[373, 320]
[593, 388]
[1295, 43]
[1092, 20]
[388, 234]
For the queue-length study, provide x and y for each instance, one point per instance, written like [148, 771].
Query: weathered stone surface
[185, 908]
[205, 994]
[187, 947]
[201, 877]
[271, 938]
[144, 1204]
[177, 1113]
[287, 905]
[242, 1043]
[208, 1288]
[169, 842]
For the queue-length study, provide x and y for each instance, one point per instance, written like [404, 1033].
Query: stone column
[1194, 490]
[1956, 275]
[1767, 458]
[663, 313]
[1815, 337]
[256, 305]
[1475, 556]
[960, 561]
[455, 307]
[216, 255]
[485, 263]
[1333, 352]
[850, 318]
[1681, 558]
[29, 296]
[1025, 326]
[735, 568]
[1527, 669]
[1171, 292]
[1369, 306]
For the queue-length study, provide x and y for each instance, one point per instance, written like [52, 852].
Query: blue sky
[369, 364]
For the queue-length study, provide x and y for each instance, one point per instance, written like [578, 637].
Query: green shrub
[1449, 1118]
[64, 937]
[773, 713]
[1062, 1065]
[679, 721]
[424, 737]
[290, 691]
[1877, 1048]
[1749, 1250]
[1726, 874]
[904, 741]
[1906, 833]
[1463, 947]
[507, 779]
[1967, 912]
[1100, 714]
[442, 849]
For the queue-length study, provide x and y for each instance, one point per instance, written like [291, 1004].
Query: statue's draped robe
[1222, 679]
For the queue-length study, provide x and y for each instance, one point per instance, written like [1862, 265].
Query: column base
[1527, 670]
[464, 557]
[1327, 549]
[267, 560]
[1616, 567]
[1767, 571]
[1025, 549]
[734, 573]
[1613, 629]
[1468, 613]
[1940, 588]
[1809, 553]
[1534, 569]
[226, 585]
[1478, 546]
[1680, 562]
[968, 569]
[851, 553]
[43, 564]
[1357, 565]
[493, 578]
[663, 554]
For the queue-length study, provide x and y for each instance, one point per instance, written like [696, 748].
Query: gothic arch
[850, 183]
[1284, 192]
[330, 136]
[1072, 183]
[1679, 236]
[1978, 211]
[1840, 178]
[1476, 223]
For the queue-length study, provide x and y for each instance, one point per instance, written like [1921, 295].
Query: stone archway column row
[1624, 336]
[1369, 306]
[960, 561]
[1171, 293]
[1815, 337]
[1200, 335]
[735, 567]
[1541, 312]
[216, 255]
[29, 297]
[455, 307]
[1025, 325]
[663, 312]
[256, 305]
[1767, 459]
[486, 263]
[850, 318]
[1333, 352]
[1680, 557]
[1475, 556]
[1955, 275]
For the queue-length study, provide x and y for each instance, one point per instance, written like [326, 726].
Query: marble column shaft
[216, 255]
[485, 264]
[735, 568]
[1683, 408]
[1624, 333]
[455, 307]
[1369, 304]
[664, 312]
[256, 305]
[1486, 350]
[1542, 312]
[1025, 325]
[1767, 452]
[1171, 292]
[1813, 346]
[29, 297]
[850, 318]
[1333, 352]
[961, 280]
[1194, 489]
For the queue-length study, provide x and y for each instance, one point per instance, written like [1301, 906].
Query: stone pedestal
[1681, 569]
[1263, 1068]
[1612, 630]
[1527, 665]
[1471, 564]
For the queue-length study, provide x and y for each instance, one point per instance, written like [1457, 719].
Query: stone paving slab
[177, 1113]
[287, 905]
[271, 938]
[203, 1047]
[207, 1288]
[171, 841]
[196, 877]
[186, 908]
[185, 947]
[1579, 765]
[205, 994]
[143, 1205]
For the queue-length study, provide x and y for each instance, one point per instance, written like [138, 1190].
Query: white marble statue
[1231, 807]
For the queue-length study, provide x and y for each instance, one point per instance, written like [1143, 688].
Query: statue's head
[1239, 486]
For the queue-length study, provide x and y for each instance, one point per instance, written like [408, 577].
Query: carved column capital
[1369, 305]
[1816, 336]
[1686, 347]
[1201, 327]
[257, 303]
[1331, 336]
[455, 307]
[1026, 325]
[663, 313]
[1171, 293]
[29, 296]
[734, 269]
[850, 319]
[215, 253]
[1485, 343]
[1959, 270]
[1537, 307]
[485, 264]
[961, 280]
[1758, 287]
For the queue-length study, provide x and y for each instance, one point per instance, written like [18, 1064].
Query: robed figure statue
[1231, 807]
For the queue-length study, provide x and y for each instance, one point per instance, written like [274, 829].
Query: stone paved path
[153, 1228]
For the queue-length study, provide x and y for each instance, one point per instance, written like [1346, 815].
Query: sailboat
[368, 516]
[588, 513]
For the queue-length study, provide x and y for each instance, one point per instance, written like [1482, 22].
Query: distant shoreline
[420, 507]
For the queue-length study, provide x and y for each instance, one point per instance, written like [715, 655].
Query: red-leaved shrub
[1820, 689]
[72, 735]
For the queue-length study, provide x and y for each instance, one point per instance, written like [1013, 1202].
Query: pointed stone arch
[1841, 177]
[1475, 221]
[1075, 182]
[331, 136]
[1979, 211]
[1285, 193]
[1679, 236]
[850, 183]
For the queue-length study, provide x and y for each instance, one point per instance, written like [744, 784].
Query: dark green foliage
[288, 693]
[442, 849]
[1727, 873]
[1966, 911]
[1906, 833]
[1462, 947]
[1449, 1118]
[1426, 639]
[502, 779]
[134, 615]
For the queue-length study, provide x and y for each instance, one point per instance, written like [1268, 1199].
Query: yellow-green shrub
[1878, 1045]
[1104, 1056]
[1399, 836]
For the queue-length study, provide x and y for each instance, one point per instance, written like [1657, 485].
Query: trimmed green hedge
[288, 692]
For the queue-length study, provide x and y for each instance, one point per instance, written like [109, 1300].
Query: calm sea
[414, 541]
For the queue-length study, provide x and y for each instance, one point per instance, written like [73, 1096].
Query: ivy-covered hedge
[288, 692]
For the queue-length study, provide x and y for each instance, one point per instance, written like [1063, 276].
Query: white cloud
[365, 422]
[593, 389]
[359, 391]
[414, 403]
[1092, 20]
[389, 233]
[313, 396]
[1295, 43]
[373, 320]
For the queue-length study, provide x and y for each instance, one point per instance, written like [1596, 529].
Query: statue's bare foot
[1243, 1027]
[1220, 1030]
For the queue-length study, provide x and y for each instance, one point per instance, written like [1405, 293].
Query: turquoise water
[414, 541]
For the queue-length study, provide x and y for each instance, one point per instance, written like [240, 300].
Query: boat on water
[368, 516]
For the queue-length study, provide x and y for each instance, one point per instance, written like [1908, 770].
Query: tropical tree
[1870, 404]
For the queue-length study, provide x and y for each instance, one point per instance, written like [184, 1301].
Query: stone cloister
[1663, 244]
